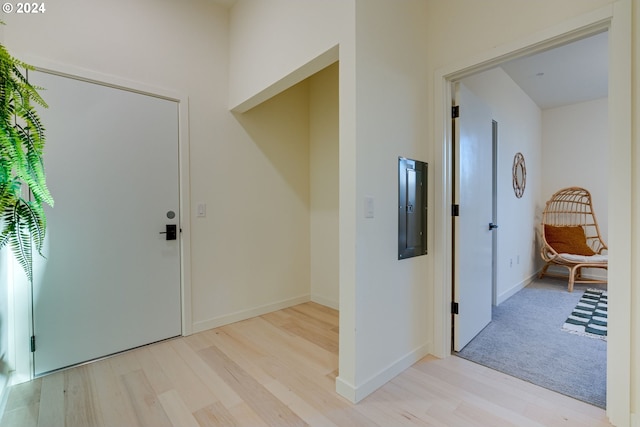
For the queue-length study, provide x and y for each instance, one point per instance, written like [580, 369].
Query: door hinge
[33, 343]
[454, 307]
[455, 112]
[455, 210]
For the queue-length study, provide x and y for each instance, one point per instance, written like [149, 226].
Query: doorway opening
[449, 76]
[532, 124]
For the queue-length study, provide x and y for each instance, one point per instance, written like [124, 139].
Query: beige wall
[268, 187]
[324, 185]
[472, 27]
[635, 295]
[296, 40]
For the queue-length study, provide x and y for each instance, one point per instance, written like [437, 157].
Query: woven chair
[571, 236]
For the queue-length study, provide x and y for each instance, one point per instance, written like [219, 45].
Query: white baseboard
[515, 288]
[325, 301]
[226, 319]
[356, 393]
[346, 390]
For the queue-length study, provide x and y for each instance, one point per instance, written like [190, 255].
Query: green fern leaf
[19, 238]
[22, 138]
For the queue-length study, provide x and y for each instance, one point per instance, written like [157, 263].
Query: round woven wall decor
[519, 175]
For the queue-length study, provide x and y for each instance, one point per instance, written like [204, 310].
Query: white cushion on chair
[600, 259]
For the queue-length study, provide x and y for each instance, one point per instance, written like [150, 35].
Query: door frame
[21, 309]
[615, 18]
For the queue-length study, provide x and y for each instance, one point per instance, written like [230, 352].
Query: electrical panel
[412, 208]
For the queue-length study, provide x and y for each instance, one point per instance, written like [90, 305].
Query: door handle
[492, 226]
[171, 232]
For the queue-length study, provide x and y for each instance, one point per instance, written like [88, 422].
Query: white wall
[392, 297]
[575, 142]
[324, 183]
[519, 130]
[575, 151]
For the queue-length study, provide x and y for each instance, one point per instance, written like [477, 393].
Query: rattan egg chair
[571, 236]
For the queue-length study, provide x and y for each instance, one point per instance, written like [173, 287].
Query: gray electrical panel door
[412, 208]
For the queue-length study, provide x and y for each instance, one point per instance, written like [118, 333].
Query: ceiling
[575, 72]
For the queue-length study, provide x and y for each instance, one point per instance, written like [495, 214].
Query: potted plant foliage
[23, 189]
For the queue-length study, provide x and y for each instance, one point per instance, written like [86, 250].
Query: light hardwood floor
[279, 370]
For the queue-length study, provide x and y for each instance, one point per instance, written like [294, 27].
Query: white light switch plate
[201, 210]
[368, 207]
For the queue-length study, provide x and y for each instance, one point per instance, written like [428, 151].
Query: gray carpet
[525, 340]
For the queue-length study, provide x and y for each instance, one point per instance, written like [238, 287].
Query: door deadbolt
[171, 232]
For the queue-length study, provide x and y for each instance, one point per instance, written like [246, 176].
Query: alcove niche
[297, 132]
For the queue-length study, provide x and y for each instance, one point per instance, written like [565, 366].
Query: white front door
[472, 234]
[110, 280]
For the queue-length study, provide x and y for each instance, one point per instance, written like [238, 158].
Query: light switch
[201, 210]
[368, 207]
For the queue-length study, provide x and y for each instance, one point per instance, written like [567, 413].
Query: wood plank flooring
[279, 370]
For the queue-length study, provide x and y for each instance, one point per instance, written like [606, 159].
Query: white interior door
[110, 280]
[472, 234]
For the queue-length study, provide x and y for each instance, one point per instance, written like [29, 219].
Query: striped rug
[589, 318]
